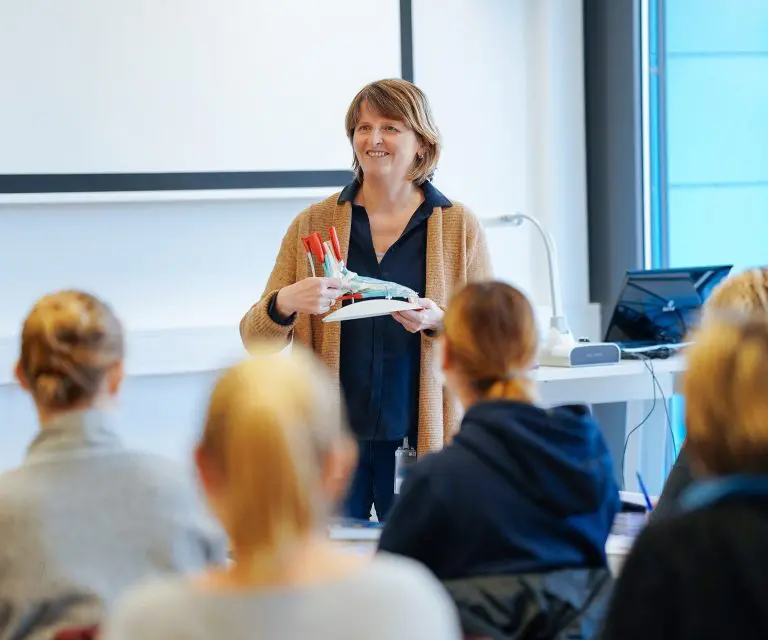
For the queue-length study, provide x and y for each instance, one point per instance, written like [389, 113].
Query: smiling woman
[385, 122]
[392, 224]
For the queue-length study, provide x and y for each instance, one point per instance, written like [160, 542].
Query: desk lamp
[560, 349]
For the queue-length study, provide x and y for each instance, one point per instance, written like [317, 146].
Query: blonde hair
[404, 101]
[746, 291]
[271, 421]
[491, 334]
[69, 341]
[725, 391]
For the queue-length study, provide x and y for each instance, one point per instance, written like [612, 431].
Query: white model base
[369, 309]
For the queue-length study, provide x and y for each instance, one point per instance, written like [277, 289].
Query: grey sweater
[83, 518]
[394, 598]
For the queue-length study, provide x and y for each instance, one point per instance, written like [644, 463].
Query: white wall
[504, 77]
[203, 92]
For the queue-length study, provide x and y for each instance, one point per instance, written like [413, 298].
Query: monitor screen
[661, 306]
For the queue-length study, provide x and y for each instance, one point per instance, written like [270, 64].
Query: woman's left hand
[415, 320]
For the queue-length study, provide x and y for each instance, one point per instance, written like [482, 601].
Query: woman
[392, 224]
[274, 458]
[702, 573]
[83, 517]
[521, 489]
[745, 292]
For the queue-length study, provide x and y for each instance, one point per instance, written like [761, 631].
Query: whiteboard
[168, 86]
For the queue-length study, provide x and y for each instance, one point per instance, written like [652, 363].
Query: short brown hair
[404, 101]
[69, 341]
[491, 334]
[725, 387]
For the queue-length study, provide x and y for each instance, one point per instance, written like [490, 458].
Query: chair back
[565, 604]
[78, 633]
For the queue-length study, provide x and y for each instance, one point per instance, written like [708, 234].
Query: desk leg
[612, 418]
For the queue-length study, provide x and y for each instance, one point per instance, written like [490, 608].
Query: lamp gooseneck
[558, 321]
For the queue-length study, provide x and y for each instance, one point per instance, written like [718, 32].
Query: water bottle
[405, 456]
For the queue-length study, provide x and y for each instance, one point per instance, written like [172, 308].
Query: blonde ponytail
[512, 388]
[745, 292]
[270, 422]
[724, 388]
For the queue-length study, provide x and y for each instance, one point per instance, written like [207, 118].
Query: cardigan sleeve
[479, 266]
[258, 323]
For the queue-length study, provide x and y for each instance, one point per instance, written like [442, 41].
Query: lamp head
[514, 219]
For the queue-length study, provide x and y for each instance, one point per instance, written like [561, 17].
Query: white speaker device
[560, 349]
[581, 354]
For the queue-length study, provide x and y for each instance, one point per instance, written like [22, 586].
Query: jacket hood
[556, 457]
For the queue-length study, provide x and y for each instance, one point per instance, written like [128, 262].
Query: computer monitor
[661, 306]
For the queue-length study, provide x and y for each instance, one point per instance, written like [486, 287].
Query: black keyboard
[656, 353]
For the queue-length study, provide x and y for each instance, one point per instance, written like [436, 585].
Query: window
[708, 132]
[705, 91]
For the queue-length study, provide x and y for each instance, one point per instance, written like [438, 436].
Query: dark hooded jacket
[520, 489]
[513, 517]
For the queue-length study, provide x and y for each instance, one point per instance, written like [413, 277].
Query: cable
[629, 435]
[648, 362]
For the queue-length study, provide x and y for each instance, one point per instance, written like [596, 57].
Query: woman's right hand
[311, 295]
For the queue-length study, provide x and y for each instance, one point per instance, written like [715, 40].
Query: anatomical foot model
[353, 286]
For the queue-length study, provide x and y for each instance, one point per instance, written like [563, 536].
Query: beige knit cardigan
[456, 253]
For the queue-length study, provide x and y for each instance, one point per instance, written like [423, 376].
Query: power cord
[648, 363]
[629, 435]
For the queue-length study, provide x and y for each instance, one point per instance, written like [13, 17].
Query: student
[745, 292]
[395, 225]
[83, 517]
[521, 489]
[701, 574]
[274, 458]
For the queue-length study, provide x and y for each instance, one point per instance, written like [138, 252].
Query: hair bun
[69, 341]
[50, 389]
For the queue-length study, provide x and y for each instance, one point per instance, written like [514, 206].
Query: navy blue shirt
[380, 360]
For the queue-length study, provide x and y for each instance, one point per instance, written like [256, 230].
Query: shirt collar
[84, 431]
[432, 197]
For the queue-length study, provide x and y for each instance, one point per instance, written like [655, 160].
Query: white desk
[365, 542]
[630, 382]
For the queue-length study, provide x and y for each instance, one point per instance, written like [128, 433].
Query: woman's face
[385, 148]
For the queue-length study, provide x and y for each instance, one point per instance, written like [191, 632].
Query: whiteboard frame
[19, 189]
[190, 195]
